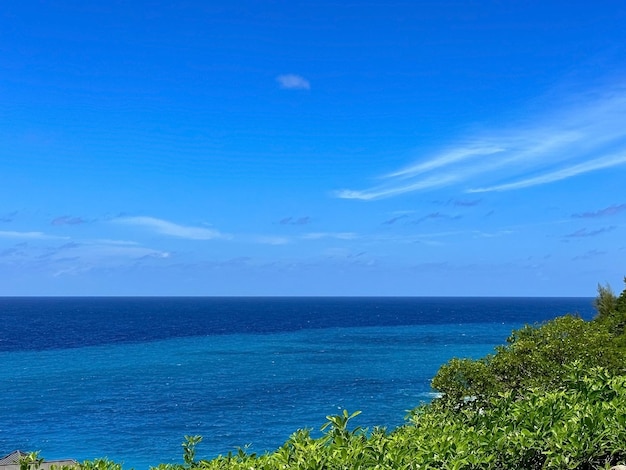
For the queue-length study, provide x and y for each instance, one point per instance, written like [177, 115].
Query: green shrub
[535, 356]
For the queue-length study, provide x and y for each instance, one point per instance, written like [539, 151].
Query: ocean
[128, 378]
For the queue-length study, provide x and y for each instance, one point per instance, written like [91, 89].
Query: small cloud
[241, 261]
[295, 221]
[293, 82]
[589, 255]
[10, 217]
[108, 241]
[165, 227]
[68, 220]
[393, 220]
[69, 246]
[465, 203]
[611, 210]
[344, 254]
[436, 215]
[458, 202]
[157, 255]
[432, 266]
[583, 232]
[11, 252]
[336, 235]
[271, 240]
[499, 233]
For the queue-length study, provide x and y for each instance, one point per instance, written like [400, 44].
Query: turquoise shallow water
[134, 401]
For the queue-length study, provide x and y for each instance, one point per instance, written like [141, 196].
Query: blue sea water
[128, 378]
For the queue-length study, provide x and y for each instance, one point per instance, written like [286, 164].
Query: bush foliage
[553, 397]
[535, 357]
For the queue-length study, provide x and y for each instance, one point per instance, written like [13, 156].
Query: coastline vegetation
[553, 397]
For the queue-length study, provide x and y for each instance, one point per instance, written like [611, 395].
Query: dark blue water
[127, 378]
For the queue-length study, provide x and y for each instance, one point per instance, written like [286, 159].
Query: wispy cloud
[10, 217]
[465, 203]
[574, 140]
[335, 235]
[607, 211]
[295, 221]
[108, 241]
[29, 235]
[446, 158]
[102, 250]
[293, 82]
[395, 219]
[68, 220]
[583, 232]
[499, 233]
[171, 229]
[380, 192]
[271, 240]
[589, 255]
[78, 257]
[561, 174]
[436, 215]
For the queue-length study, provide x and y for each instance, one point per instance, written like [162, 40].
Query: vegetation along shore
[552, 397]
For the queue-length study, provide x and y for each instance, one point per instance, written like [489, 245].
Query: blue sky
[312, 148]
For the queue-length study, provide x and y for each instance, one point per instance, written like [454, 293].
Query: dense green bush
[534, 356]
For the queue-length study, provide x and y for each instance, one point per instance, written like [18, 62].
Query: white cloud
[293, 82]
[165, 227]
[29, 235]
[388, 191]
[446, 158]
[271, 240]
[563, 173]
[107, 241]
[103, 253]
[336, 235]
[572, 141]
[81, 256]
